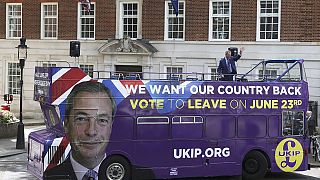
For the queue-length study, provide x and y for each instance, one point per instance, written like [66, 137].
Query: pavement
[313, 162]
[13, 162]
[8, 145]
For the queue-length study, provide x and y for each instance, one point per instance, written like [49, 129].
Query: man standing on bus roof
[227, 66]
[88, 123]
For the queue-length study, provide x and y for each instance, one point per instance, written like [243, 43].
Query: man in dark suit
[311, 127]
[64, 171]
[311, 123]
[88, 123]
[227, 66]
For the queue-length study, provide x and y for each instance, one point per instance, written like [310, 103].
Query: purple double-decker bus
[182, 125]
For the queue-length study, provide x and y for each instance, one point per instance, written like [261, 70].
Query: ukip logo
[289, 155]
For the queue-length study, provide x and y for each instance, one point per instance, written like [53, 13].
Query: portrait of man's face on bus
[88, 124]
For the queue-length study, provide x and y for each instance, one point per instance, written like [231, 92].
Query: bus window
[292, 123]
[181, 126]
[252, 126]
[220, 127]
[152, 128]
[187, 120]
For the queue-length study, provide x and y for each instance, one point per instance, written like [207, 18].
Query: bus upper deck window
[292, 123]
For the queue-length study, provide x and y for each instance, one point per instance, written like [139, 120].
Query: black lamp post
[22, 55]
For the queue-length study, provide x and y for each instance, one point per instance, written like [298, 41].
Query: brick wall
[299, 19]
[292, 21]
[105, 19]
[2, 20]
[68, 19]
[316, 21]
[243, 20]
[197, 21]
[31, 13]
[153, 20]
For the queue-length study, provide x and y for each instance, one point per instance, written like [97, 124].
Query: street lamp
[22, 56]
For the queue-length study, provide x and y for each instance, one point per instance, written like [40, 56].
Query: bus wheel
[254, 166]
[115, 168]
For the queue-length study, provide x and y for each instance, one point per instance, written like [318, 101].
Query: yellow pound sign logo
[289, 155]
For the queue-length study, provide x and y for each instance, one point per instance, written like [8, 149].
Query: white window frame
[160, 120]
[16, 82]
[181, 120]
[86, 68]
[268, 74]
[8, 18]
[168, 73]
[259, 15]
[212, 16]
[49, 65]
[87, 16]
[213, 75]
[43, 17]
[166, 20]
[119, 18]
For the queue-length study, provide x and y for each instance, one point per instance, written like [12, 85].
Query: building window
[174, 25]
[88, 69]
[49, 65]
[13, 78]
[268, 27]
[14, 20]
[49, 20]
[129, 20]
[220, 18]
[86, 22]
[174, 72]
[214, 74]
[269, 74]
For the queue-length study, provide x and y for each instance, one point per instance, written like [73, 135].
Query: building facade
[147, 36]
